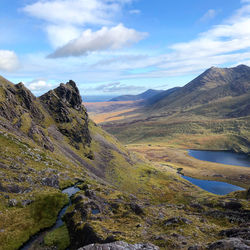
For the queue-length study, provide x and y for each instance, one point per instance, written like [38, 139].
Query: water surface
[215, 187]
[224, 157]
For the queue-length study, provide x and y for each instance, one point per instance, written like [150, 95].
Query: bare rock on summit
[65, 106]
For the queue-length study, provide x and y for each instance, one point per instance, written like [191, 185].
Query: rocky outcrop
[177, 220]
[120, 245]
[230, 244]
[65, 106]
[17, 100]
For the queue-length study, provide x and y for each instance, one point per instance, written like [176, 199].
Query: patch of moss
[21, 223]
[58, 238]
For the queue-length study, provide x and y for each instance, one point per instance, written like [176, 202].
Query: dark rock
[196, 206]
[51, 181]
[44, 140]
[233, 216]
[243, 233]
[85, 236]
[136, 208]
[13, 202]
[78, 198]
[120, 245]
[248, 194]
[177, 220]
[90, 193]
[59, 103]
[232, 205]
[26, 202]
[196, 248]
[230, 244]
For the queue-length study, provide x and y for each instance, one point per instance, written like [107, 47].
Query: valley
[131, 192]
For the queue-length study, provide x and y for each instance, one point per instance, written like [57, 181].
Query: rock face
[31, 116]
[65, 106]
[16, 100]
[120, 245]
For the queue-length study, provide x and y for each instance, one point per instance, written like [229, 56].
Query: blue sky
[112, 47]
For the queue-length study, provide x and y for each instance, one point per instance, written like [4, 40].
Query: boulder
[243, 233]
[51, 181]
[136, 208]
[230, 244]
[177, 220]
[120, 245]
[232, 205]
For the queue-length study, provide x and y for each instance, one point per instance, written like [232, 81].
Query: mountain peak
[67, 94]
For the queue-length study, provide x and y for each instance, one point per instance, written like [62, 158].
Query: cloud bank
[66, 20]
[114, 38]
[8, 60]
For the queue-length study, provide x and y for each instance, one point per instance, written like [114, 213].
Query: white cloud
[106, 38]
[115, 87]
[38, 86]
[60, 35]
[8, 60]
[65, 19]
[210, 14]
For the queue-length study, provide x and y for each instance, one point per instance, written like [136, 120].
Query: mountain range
[143, 96]
[121, 200]
[214, 104]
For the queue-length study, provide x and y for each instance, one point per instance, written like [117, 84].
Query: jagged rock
[44, 140]
[28, 101]
[51, 181]
[136, 208]
[26, 202]
[86, 235]
[196, 206]
[59, 103]
[177, 220]
[232, 205]
[196, 248]
[230, 244]
[90, 193]
[12, 202]
[233, 216]
[243, 233]
[120, 245]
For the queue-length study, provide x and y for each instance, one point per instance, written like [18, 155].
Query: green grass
[58, 238]
[21, 223]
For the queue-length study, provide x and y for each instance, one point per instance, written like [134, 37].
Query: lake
[224, 157]
[215, 187]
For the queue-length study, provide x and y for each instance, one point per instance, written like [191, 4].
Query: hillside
[49, 143]
[143, 96]
[212, 85]
[212, 111]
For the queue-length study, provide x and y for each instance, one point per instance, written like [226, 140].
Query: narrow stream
[40, 235]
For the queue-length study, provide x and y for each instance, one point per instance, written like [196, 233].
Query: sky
[116, 47]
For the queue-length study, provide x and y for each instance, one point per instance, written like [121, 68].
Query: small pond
[215, 187]
[224, 157]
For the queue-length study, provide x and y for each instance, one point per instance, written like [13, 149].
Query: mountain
[213, 108]
[160, 96]
[143, 96]
[212, 85]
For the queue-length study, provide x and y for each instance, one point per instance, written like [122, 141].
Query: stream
[40, 235]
